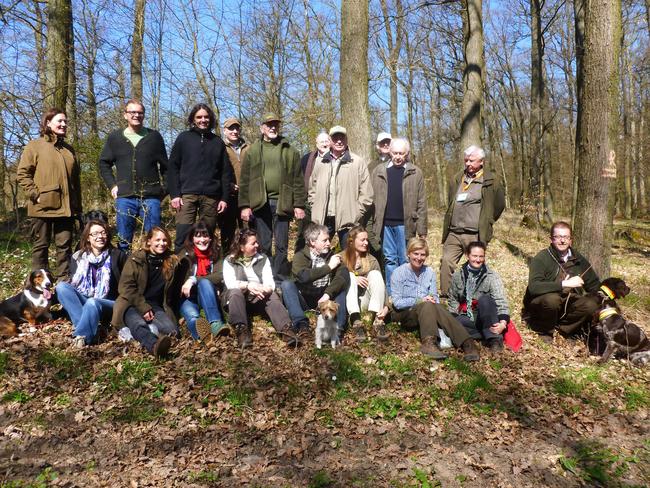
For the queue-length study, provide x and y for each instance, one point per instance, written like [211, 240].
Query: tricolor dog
[32, 305]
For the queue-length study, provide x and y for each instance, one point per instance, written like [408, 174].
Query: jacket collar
[345, 157]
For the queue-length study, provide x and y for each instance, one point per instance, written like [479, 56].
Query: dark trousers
[241, 304]
[570, 313]
[485, 316]
[43, 229]
[139, 327]
[330, 223]
[302, 225]
[429, 317]
[298, 301]
[228, 222]
[204, 206]
[273, 227]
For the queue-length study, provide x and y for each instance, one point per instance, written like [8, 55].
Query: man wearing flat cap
[236, 148]
[340, 192]
[271, 191]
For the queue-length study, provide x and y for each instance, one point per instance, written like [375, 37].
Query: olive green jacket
[252, 188]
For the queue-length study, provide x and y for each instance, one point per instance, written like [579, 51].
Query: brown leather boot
[470, 350]
[287, 334]
[244, 335]
[431, 349]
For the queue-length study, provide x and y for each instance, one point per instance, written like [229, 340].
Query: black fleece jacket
[199, 165]
[140, 170]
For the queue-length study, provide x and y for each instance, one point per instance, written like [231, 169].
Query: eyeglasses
[560, 238]
[134, 113]
[101, 233]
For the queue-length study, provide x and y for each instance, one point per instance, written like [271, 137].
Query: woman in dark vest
[250, 289]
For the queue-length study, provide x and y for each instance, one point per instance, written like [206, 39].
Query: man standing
[236, 147]
[556, 276]
[140, 160]
[200, 173]
[271, 191]
[340, 193]
[316, 276]
[383, 150]
[400, 205]
[307, 163]
[476, 201]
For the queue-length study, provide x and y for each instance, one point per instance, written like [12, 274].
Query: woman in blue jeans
[92, 290]
[200, 254]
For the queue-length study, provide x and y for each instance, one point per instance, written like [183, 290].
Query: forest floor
[372, 415]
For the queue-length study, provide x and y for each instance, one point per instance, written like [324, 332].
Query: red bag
[512, 338]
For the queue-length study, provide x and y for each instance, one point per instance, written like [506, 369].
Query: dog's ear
[29, 281]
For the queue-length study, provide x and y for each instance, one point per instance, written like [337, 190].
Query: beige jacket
[353, 190]
[49, 175]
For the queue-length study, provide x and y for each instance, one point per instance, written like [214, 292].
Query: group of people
[250, 193]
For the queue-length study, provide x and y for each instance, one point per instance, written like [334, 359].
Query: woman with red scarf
[201, 254]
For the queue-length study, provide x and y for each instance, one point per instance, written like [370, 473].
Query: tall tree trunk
[533, 209]
[41, 48]
[471, 126]
[57, 66]
[394, 46]
[579, 16]
[596, 115]
[71, 102]
[3, 167]
[353, 85]
[136, 50]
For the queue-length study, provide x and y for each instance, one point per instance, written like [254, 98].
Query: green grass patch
[135, 409]
[4, 362]
[65, 365]
[213, 383]
[636, 397]
[203, 477]
[579, 383]
[16, 396]
[346, 367]
[129, 374]
[320, 480]
[596, 463]
[379, 407]
[420, 478]
[239, 397]
[392, 363]
[467, 389]
[43, 480]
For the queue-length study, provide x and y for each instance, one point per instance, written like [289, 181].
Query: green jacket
[304, 275]
[252, 188]
[133, 284]
[493, 202]
[546, 272]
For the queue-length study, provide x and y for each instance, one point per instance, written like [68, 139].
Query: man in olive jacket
[271, 191]
[476, 201]
[400, 206]
[558, 277]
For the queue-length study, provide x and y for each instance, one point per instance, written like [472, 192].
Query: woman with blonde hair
[367, 291]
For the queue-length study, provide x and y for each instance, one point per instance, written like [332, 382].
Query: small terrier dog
[326, 327]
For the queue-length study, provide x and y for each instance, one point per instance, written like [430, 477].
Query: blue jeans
[140, 330]
[127, 210]
[85, 313]
[393, 244]
[297, 302]
[271, 226]
[205, 298]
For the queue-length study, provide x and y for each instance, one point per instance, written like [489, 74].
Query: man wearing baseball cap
[383, 149]
[340, 193]
[271, 191]
[236, 148]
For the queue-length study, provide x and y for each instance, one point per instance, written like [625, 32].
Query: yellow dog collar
[607, 292]
[607, 312]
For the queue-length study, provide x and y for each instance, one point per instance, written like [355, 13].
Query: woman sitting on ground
[250, 289]
[415, 299]
[369, 294]
[201, 255]
[90, 295]
[478, 300]
[150, 289]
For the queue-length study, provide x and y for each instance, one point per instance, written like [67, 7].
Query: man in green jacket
[558, 277]
[476, 201]
[271, 191]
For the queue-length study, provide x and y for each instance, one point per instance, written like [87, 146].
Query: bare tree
[353, 85]
[136, 51]
[471, 126]
[59, 25]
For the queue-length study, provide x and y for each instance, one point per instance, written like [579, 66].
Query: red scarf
[203, 261]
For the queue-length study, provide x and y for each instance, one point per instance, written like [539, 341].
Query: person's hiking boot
[546, 338]
[495, 345]
[470, 351]
[430, 348]
[381, 331]
[219, 329]
[244, 336]
[359, 331]
[79, 342]
[203, 328]
[305, 334]
[161, 347]
[287, 334]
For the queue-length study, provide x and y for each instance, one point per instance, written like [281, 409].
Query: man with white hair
[400, 205]
[476, 201]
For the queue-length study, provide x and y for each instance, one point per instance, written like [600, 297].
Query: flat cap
[271, 117]
[382, 136]
[338, 129]
[230, 121]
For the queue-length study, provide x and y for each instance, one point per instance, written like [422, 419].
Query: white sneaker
[79, 342]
